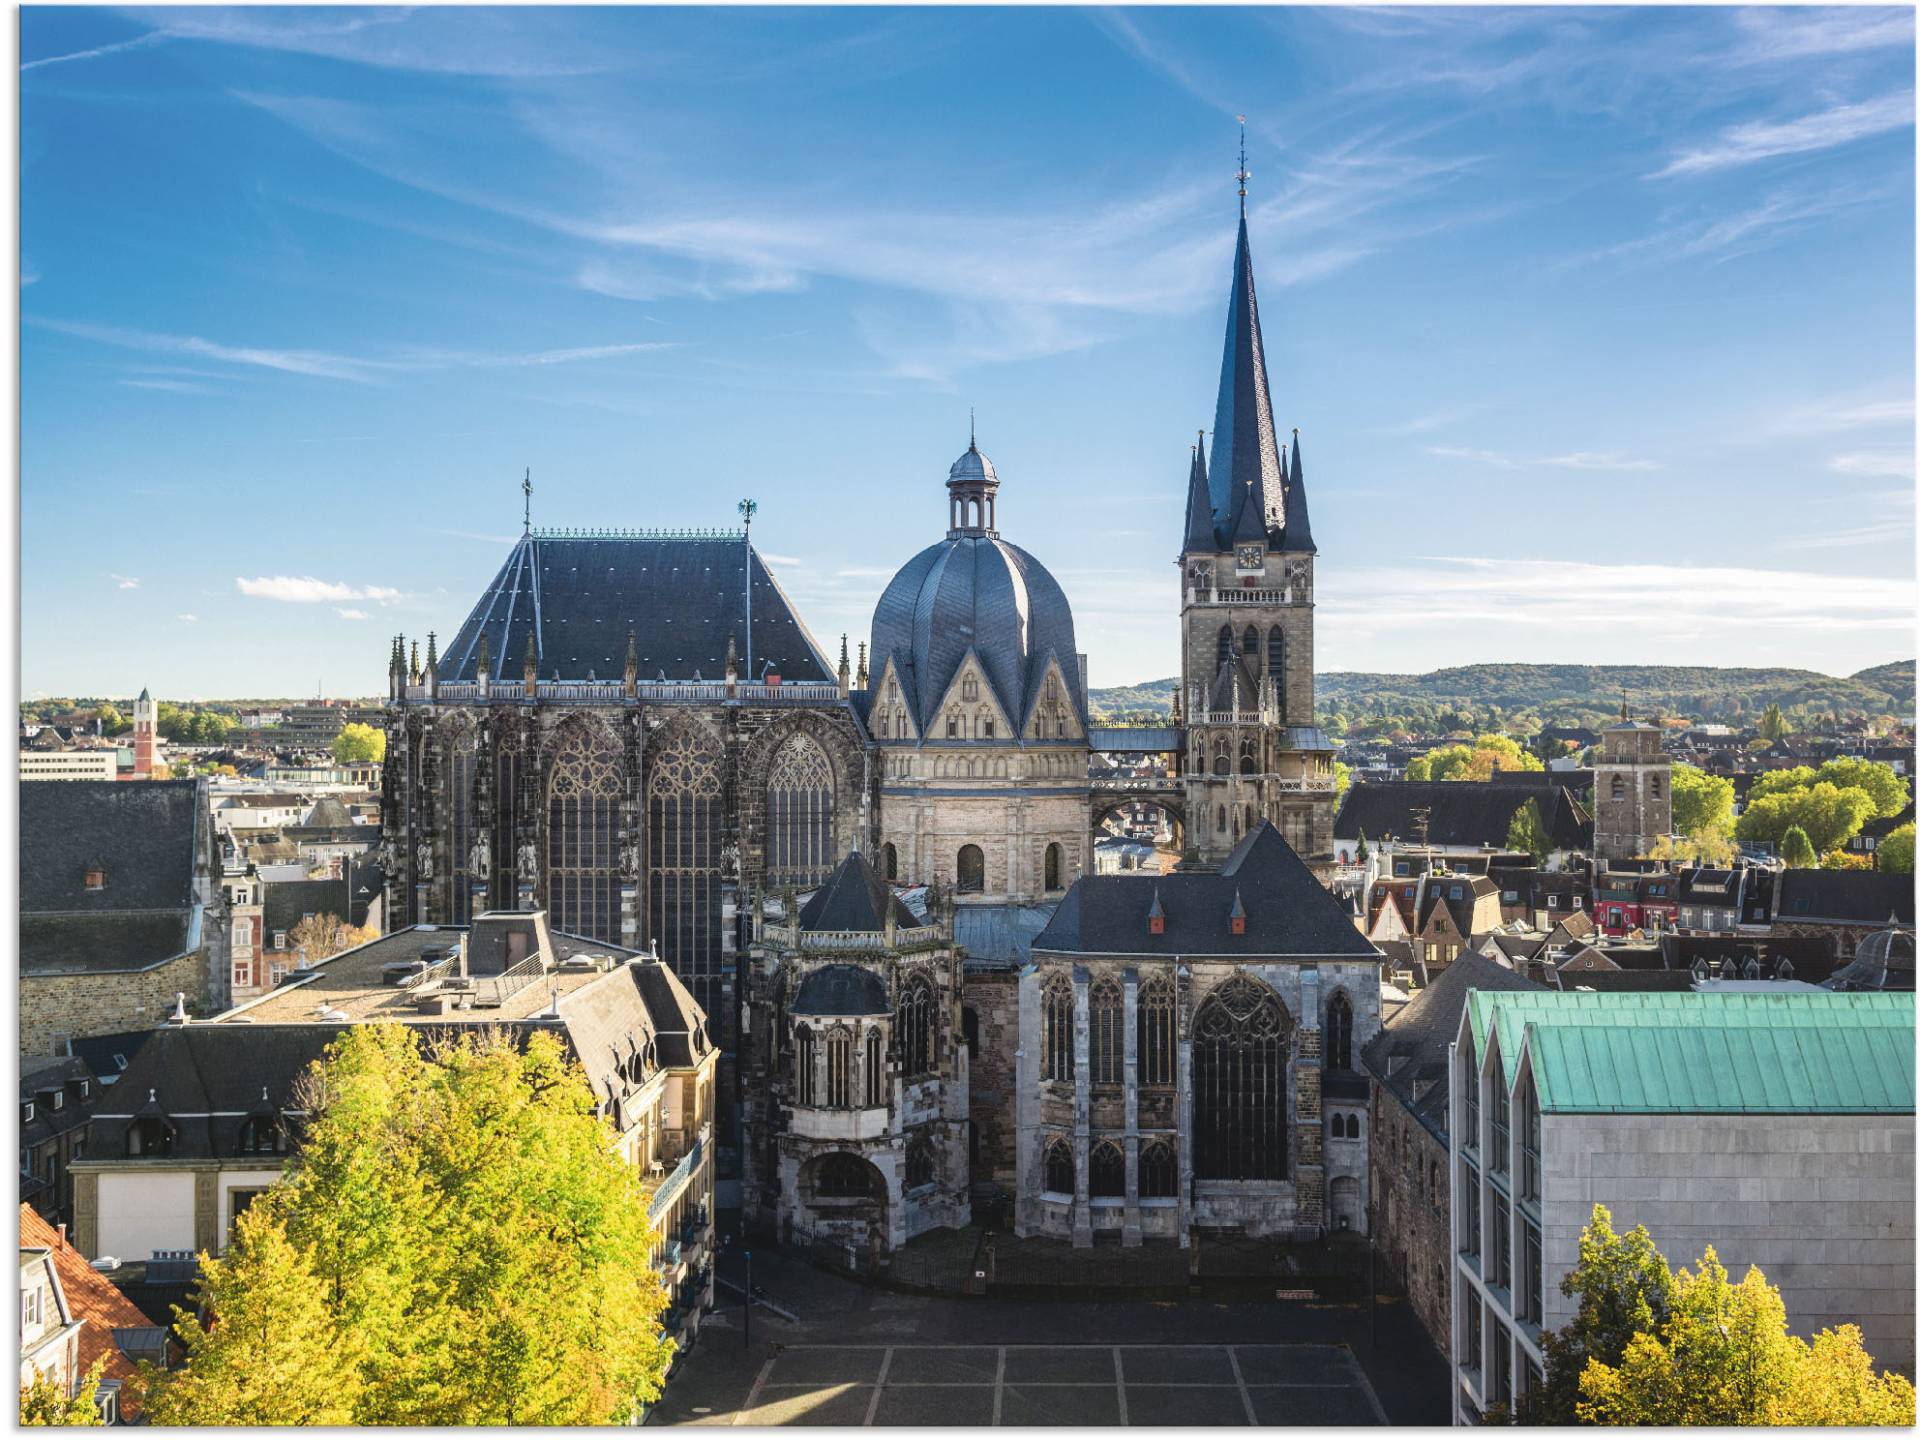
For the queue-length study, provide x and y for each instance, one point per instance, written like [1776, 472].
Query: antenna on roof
[526, 494]
[1243, 174]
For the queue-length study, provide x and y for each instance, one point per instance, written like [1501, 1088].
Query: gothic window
[683, 875]
[1226, 644]
[970, 688]
[953, 724]
[913, 1024]
[583, 837]
[986, 725]
[804, 1051]
[1277, 665]
[1159, 1177]
[1056, 1029]
[457, 756]
[1619, 787]
[889, 862]
[1220, 820]
[971, 869]
[839, 1070]
[1107, 1170]
[1053, 867]
[1339, 1034]
[1153, 1016]
[800, 848]
[1059, 1167]
[506, 825]
[1240, 1083]
[1250, 645]
[874, 1071]
[844, 1177]
[970, 1031]
[1106, 1013]
[1248, 763]
[1222, 760]
[919, 1163]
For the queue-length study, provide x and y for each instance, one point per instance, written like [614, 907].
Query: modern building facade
[1775, 1124]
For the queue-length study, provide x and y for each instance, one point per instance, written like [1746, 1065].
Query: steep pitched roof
[1246, 449]
[854, 898]
[1459, 812]
[835, 990]
[93, 1300]
[1200, 534]
[1299, 529]
[681, 599]
[1851, 897]
[1288, 912]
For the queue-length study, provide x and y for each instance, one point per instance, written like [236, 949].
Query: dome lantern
[971, 486]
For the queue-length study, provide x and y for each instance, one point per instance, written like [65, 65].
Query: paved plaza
[844, 1353]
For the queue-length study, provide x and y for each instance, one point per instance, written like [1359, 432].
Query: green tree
[477, 1248]
[1829, 815]
[1797, 850]
[45, 1401]
[1360, 850]
[1474, 760]
[358, 744]
[112, 722]
[1342, 777]
[1701, 802]
[1624, 1288]
[1894, 854]
[1780, 782]
[1773, 725]
[1528, 832]
[1890, 793]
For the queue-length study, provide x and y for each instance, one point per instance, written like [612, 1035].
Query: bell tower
[1246, 614]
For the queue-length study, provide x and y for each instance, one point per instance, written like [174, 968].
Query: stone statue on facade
[480, 857]
[526, 863]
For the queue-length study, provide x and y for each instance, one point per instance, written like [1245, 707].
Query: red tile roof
[93, 1299]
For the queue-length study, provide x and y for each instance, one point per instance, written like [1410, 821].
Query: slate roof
[1288, 911]
[1848, 897]
[1409, 1053]
[681, 598]
[141, 833]
[94, 1301]
[284, 903]
[981, 595]
[1461, 812]
[854, 898]
[1883, 961]
[1246, 445]
[841, 990]
[1000, 936]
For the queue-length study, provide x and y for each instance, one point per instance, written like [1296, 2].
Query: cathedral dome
[974, 592]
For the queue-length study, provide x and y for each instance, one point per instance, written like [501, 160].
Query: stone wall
[80, 1005]
[994, 1000]
[1408, 1179]
[1823, 1204]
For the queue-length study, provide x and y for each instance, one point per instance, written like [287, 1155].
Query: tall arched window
[1339, 1033]
[1226, 645]
[1277, 666]
[507, 804]
[683, 876]
[799, 814]
[1619, 787]
[913, 1025]
[874, 1071]
[805, 1076]
[1249, 764]
[458, 754]
[1220, 820]
[839, 1069]
[1240, 1083]
[1250, 645]
[1056, 1029]
[889, 862]
[1059, 1167]
[919, 1162]
[1053, 867]
[1107, 1170]
[1222, 759]
[1159, 1176]
[583, 837]
[1106, 1014]
[971, 870]
[1153, 1015]
[844, 1177]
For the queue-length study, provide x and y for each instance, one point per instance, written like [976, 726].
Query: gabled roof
[1200, 534]
[1459, 812]
[1288, 912]
[1409, 1053]
[682, 600]
[141, 835]
[854, 898]
[93, 1300]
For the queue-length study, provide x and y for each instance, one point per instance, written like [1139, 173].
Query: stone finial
[860, 676]
[530, 673]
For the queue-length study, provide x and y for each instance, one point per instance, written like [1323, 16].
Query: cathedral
[875, 873]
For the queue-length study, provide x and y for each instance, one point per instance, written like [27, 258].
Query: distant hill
[1574, 694]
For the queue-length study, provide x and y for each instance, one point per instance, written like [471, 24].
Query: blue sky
[1597, 325]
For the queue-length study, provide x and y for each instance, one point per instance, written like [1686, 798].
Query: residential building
[121, 909]
[1843, 905]
[57, 1096]
[1406, 822]
[103, 1327]
[1776, 1126]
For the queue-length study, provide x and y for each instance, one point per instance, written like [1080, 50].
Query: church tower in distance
[1246, 617]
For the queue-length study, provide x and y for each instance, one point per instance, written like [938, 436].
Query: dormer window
[149, 1135]
[96, 878]
[262, 1135]
[26, 1113]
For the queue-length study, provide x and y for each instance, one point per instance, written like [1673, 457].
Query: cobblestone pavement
[858, 1355]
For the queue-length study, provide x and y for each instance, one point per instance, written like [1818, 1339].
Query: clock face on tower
[1250, 557]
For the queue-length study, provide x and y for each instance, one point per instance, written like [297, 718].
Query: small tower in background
[146, 736]
[1632, 789]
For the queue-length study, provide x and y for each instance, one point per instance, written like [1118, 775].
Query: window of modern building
[1500, 1377]
[1470, 1212]
[1501, 1237]
[1470, 1326]
[1533, 1300]
[1500, 1141]
[1470, 1136]
[1529, 1143]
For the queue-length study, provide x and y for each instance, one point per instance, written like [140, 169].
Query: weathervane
[747, 509]
[526, 492]
[1243, 174]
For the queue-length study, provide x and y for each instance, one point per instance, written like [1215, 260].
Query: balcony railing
[1291, 595]
[614, 692]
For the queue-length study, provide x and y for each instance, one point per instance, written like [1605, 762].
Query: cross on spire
[526, 493]
[1243, 174]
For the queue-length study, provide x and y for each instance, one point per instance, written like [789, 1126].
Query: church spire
[1299, 531]
[1245, 446]
[1200, 533]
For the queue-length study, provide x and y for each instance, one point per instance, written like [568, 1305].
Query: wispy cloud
[139, 42]
[1600, 460]
[177, 387]
[1773, 33]
[1434, 420]
[188, 619]
[305, 590]
[1858, 411]
[29, 273]
[1892, 512]
[1754, 140]
[351, 614]
[1897, 463]
[1464, 452]
[127, 582]
[790, 560]
[1721, 237]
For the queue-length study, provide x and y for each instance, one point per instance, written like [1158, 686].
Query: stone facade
[1409, 1169]
[1632, 791]
[990, 1024]
[55, 1007]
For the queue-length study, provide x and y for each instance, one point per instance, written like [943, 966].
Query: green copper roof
[1746, 1052]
